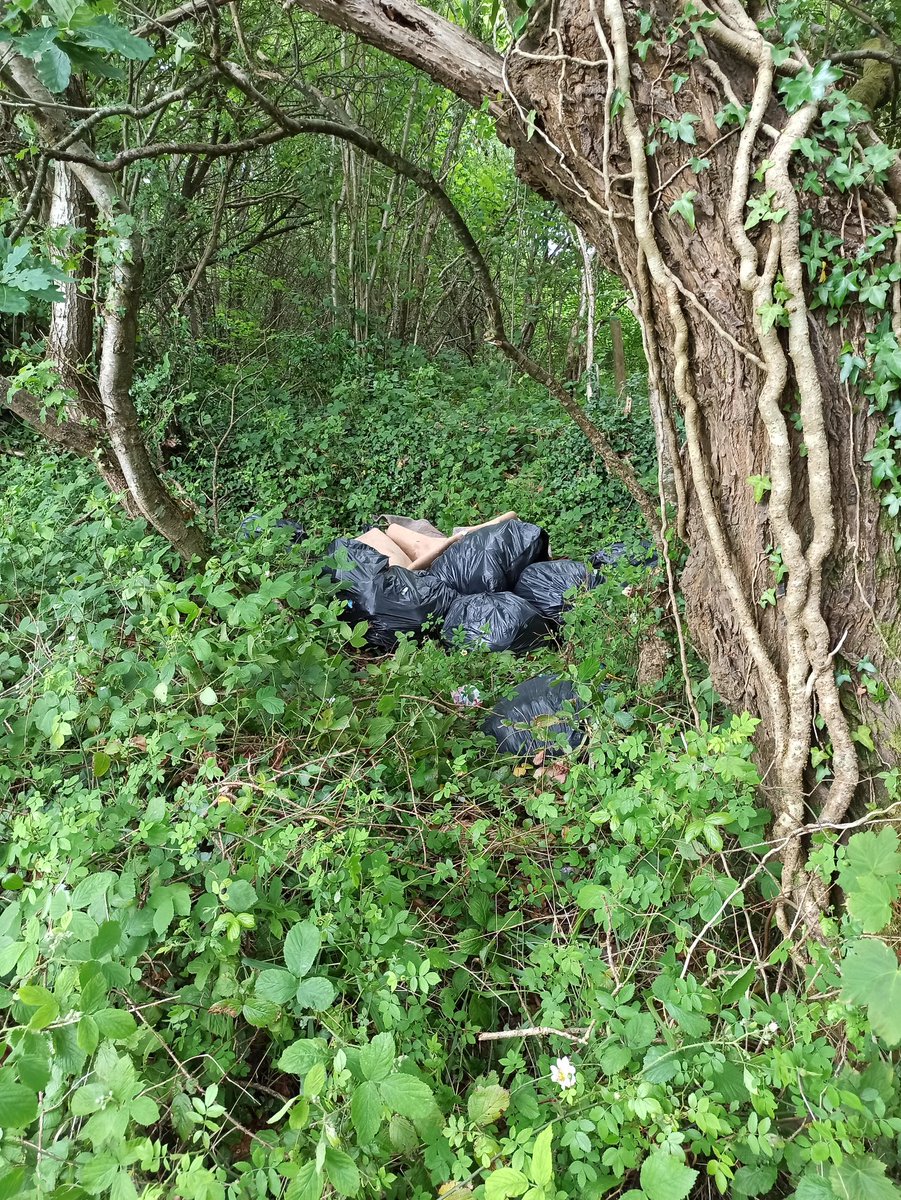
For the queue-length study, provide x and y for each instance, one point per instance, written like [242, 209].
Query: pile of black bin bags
[495, 587]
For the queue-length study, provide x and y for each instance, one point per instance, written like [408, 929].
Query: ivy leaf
[871, 978]
[862, 1179]
[301, 947]
[809, 86]
[665, 1177]
[684, 207]
[341, 1171]
[366, 1111]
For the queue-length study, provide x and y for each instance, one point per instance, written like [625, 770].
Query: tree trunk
[737, 353]
[115, 407]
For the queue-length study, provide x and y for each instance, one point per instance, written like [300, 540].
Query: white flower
[564, 1073]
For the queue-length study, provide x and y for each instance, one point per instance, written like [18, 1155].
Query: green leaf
[54, 69]
[813, 1187]
[301, 1055]
[100, 763]
[241, 896]
[401, 1134]
[665, 1177]
[754, 1181]
[542, 1168]
[315, 993]
[314, 1080]
[486, 1104]
[871, 977]
[307, 1184]
[116, 1024]
[208, 696]
[505, 1182]
[377, 1057]
[366, 1111]
[342, 1172]
[106, 939]
[18, 1104]
[11, 1182]
[684, 207]
[262, 1013]
[870, 876]
[406, 1094]
[591, 896]
[301, 947]
[104, 34]
[862, 1179]
[276, 986]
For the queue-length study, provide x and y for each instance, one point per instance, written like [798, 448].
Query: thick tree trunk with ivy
[691, 163]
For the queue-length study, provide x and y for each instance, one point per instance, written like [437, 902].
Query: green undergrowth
[265, 894]
[336, 435]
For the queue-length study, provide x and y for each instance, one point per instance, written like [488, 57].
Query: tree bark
[120, 314]
[604, 133]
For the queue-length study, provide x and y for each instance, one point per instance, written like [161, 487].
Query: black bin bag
[491, 559]
[610, 556]
[546, 584]
[254, 526]
[495, 620]
[392, 599]
[533, 719]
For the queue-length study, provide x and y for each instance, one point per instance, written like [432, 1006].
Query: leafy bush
[264, 896]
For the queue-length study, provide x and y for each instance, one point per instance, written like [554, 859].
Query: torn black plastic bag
[392, 600]
[255, 525]
[491, 559]
[497, 621]
[533, 719]
[545, 585]
[611, 555]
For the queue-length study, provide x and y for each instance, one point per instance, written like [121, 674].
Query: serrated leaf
[505, 1182]
[104, 34]
[241, 896]
[301, 1055]
[301, 947]
[315, 993]
[307, 1184]
[106, 939]
[401, 1134]
[486, 1104]
[542, 1166]
[871, 977]
[18, 1104]
[314, 1080]
[115, 1024]
[377, 1057]
[53, 68]
[862, 1179]
[665, 1177]
[342, 1172]
[591, 896]
[407, 1095]
[259, 1012]
[813, 1187]
[754, 1181]
[276, 986]
[366, 1111]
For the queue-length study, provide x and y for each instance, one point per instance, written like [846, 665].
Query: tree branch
[412, 32]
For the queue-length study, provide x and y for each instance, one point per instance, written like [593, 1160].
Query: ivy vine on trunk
[752, 213]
